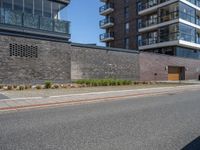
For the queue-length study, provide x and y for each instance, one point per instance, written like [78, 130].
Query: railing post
[23, 19]
[53, 24]
[38, 22]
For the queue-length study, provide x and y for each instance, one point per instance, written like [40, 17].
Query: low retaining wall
[93, 62]
[24, 60]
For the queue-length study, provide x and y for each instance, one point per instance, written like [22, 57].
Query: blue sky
[84, 17]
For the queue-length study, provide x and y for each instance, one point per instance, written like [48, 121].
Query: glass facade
[145, 4]
[43, 15]
[178, 51]
[172, 27]
[178, 31]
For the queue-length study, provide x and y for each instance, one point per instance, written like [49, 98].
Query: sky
[84, 17]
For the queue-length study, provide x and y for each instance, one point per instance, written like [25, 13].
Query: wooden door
[174, 73]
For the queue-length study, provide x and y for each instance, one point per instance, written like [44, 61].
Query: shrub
[56, 86]
[65, 86]
[21, 87]
[9, 87]
[38, 87]
[1, 86]
[103, 82]
[48, 84]
[14, 86]
[28, 87]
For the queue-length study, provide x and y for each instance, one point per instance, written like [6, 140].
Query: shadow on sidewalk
[3, 97]
[194, 145]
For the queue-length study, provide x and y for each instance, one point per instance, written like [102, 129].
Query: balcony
[106, 23]
[147, 23]
[106, 9]
[106, 37]
[151, 6]
[35, 25]
[104, 1]
[64, 1]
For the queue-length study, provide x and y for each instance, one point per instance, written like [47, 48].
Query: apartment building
[169, 27]
[119, 23]
[34, 18]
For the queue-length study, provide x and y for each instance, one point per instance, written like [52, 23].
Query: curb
[82, 101]
[91, 100]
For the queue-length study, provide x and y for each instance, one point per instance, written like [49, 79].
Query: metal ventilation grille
[23, 51]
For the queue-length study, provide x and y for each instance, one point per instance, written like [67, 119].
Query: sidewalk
[60, 100]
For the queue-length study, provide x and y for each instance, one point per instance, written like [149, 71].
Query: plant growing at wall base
[9, 87]
[38, 87]
[103, 82]
[48, 84]
[21, 87]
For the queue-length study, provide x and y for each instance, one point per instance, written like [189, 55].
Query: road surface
[165, 122]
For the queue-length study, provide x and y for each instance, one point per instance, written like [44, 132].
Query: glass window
[127, 27]
[169, 33]
[47, 8]
[55, 11]
[187, 33]
[18, 5]
[28, 6]
[126, 43]
[7, 4]
[187, 13]
[153, 37]
[169, 12]
[126, 12]
[188, 53]
[38, 7]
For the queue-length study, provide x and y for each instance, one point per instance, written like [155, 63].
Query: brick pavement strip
[14, 104]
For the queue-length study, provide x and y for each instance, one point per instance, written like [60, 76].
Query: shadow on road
[194, 145]
[3, 96]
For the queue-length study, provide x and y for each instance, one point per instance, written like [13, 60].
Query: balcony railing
[107, 36]
[106, 7]
[149, 4]
[25, 20]
[106, 21]
[148, 22]
[168, 37]
[171, 16]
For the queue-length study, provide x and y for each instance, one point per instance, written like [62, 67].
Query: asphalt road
[168, 122]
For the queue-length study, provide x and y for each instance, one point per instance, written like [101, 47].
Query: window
[187, 33]
[47, 8]
[126, 1]
[127, 27]
[153, 37]
[38, 7]
[169, 33]
[169, 12]
[8, 4]
[187, 13]
[28, 4]
[126, 12]
[126, 43]
[188, 53]
[18, 5]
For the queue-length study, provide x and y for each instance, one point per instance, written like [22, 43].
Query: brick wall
[61, 62]
[96, 62]
[53, 62]
[151, 64]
